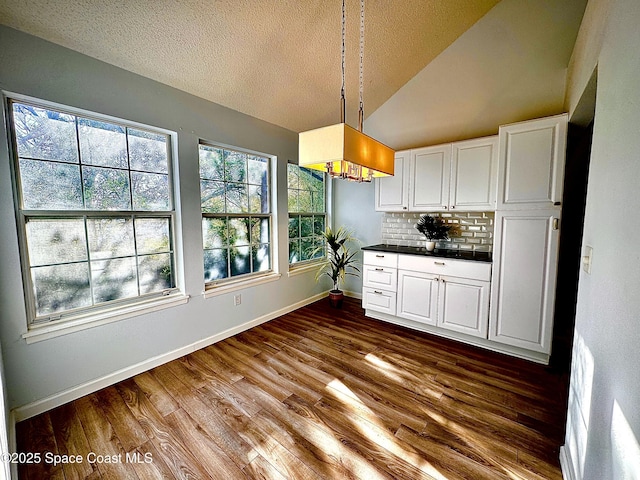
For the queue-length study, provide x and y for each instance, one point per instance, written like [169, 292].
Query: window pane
[102, 143]
[155, 273]
[237, 198]
[294, 251]
[306, 226]
[240, 261]
[212, 196]
[45, 134]
[292, 176]
[150, 191]
[292, 201]
[318, 225]
[261, 257]
[51, 186]
[238, 231]
[317, 201]
[304, 201]
[148, 151]
[235, 166]
[306, 248]
[214, 232]
[110, 237]
[211, 163]
[294, 226]
[56, 241]
[114, 279]
[215, 264]
[106, 189]
[61, 287]
[259, 230]
[258, 199]
[319, 248]
[257, 171]
[152, 235]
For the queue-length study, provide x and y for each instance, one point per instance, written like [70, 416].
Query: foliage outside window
[236, 213]
[95, 206]
[307, 213]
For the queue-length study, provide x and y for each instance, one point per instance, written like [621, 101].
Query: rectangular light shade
[337, 143]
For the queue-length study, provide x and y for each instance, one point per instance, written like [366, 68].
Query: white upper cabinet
[523, 289]
[474, 174]
[392, 193]
[531, 165]
[429, 178]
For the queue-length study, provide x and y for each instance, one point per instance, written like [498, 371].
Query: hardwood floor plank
[318, 393]
[103, 440]
[155, 392]
[71, 441]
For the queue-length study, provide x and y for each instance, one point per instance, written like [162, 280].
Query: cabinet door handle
[442, 280]
[444, 206]
[379, 269]
[404, 208]
[452, 207]
[379, 256]
[377, 292]
[439, 263]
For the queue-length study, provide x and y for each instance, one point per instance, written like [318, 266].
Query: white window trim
[38, 333]
[229, 286]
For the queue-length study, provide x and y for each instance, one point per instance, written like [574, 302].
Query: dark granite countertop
[455, 254]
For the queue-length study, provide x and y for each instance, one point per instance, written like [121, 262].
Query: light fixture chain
[361, 106]
[342, 90]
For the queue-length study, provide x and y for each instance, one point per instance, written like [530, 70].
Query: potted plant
[340, 262]
[434, 229]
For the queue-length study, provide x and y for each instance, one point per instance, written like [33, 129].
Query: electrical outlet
[237, 299]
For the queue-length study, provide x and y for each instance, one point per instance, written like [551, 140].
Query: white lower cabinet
[524, 283]
[418, 296]
[459, 303]
[379, 281]
[464, 305]
[379, 300]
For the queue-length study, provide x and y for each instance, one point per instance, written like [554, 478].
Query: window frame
[74, 319]
[234, 282]
[310, 263]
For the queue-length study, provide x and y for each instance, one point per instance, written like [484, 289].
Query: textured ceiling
[275, 60]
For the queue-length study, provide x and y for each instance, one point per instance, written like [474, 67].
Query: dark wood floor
[315, 394]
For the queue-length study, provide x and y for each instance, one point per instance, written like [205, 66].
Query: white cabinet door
[417, 296]
[524, 278]
[392, 193]
[429, 178]
[531, 165]
[474, 174]
[464, 305]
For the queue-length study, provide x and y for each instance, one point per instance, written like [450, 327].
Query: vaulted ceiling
[280, 60]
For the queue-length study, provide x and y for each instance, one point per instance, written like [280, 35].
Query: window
[307, 213]
[95, 211]
[236, 213]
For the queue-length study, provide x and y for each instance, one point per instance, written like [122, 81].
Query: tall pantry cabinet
[526, 232]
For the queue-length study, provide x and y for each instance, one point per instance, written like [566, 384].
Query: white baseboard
[566, 465]
[40, 406]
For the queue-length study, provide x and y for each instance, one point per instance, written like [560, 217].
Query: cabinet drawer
[384, 278]
[380, 259]
[379, 300]
[445, 266]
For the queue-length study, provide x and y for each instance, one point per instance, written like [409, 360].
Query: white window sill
[307, 267]
[90, 320]
[221, 289]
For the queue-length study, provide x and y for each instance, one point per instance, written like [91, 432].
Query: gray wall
[603, 426]
[43, 70]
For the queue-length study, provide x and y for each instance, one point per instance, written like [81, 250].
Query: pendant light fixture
[340, 150]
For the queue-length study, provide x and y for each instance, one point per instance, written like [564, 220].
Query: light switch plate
[587, 258]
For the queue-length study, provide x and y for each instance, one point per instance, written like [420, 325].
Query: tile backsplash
[475, 230]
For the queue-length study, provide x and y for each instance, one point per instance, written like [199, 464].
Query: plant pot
[335, 298]
[431, 245]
